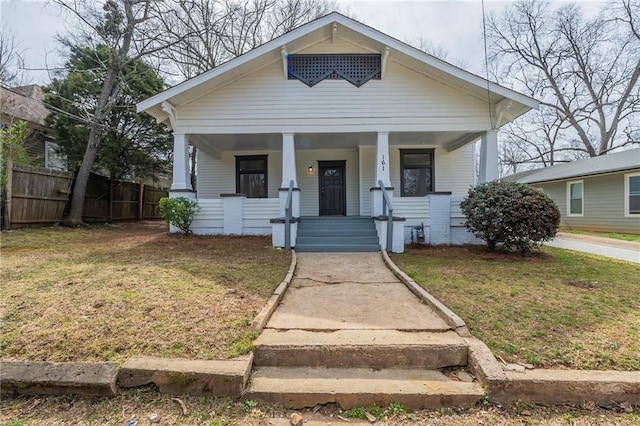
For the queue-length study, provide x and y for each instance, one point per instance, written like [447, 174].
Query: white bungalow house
[326, 123]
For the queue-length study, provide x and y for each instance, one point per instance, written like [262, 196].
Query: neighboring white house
[332, 109]
[597, 194]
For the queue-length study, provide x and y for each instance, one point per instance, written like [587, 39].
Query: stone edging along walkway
[219, 378]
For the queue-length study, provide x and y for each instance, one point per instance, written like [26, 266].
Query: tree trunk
[82, 179]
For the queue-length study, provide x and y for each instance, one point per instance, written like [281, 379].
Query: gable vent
[357, 69]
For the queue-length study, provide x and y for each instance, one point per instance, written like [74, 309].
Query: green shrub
[179, 212]
[513, 214]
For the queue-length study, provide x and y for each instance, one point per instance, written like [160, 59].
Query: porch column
[382, 159]
[181, 176]
[382, 174]
[289, 174]
[288, 161]
[489, 169]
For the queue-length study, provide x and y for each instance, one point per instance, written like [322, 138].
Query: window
[53, 158]
[416, 177]
[632, 194]
[251, 176]
[575, 199]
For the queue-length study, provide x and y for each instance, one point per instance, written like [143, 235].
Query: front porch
[245, 181]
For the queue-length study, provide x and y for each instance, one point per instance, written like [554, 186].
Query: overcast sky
[456, 25]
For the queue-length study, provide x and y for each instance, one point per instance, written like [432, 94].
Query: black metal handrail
[387, 209]
[287, 217]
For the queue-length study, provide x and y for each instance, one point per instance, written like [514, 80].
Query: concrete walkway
[350, 291]
[608, 247]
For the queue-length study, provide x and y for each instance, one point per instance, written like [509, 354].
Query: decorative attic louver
[357, 69]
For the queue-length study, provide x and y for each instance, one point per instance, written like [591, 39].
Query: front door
[333, 201]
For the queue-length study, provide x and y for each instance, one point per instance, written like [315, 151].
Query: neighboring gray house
[26, 103]
[596, 194]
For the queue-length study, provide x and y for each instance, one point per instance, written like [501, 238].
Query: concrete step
[307, 387]
[338, 232]
[377, 349]
[337, 239]
[337, 248]
[342, 226]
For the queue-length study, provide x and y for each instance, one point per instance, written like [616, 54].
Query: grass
[111, 292]
[614, 235]
[553, 308]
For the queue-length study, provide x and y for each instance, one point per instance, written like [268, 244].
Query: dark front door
[332, 188]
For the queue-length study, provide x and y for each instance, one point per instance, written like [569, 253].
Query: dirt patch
[481, 252]
[140, 404]
[582, 284]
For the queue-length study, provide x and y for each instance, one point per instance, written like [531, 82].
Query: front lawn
[110, 292]
[551, 308]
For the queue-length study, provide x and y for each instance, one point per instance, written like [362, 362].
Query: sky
[456, 25]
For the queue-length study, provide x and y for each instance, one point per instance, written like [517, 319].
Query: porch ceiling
[310, 141]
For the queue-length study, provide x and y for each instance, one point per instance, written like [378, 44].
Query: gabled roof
[616, 162]
[325, 28]
[23, 103]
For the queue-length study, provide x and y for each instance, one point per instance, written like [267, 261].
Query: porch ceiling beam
[199, 142]
[285, 67]
[385, 56]
[462, 141]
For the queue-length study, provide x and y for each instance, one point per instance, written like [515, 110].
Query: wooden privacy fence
[35, 195]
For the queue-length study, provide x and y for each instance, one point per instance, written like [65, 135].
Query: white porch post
[289, 174]
[181, 176]
[288, 161]
[382, 174]
[382, 159]
[489, 169]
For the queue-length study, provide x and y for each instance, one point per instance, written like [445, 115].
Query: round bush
[513, 214]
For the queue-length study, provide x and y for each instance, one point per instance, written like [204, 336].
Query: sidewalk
[351, 291]
[616, 249]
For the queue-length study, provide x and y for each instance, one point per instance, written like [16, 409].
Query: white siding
[414, 209]
[457, 217]
[210, 214]
[340, 46]
[218, 176]
[264, 101]
[258, 212]
[309, 204]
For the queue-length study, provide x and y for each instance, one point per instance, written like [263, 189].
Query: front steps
[357, 368]
[301, 387]
[337, 234]
[375, 349]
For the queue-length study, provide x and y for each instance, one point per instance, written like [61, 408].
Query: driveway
[608, 247]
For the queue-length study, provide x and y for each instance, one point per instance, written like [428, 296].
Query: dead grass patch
[551, 308]
[110, 292]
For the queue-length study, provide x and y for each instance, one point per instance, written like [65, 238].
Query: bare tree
[220, 30]
[10, 59]
[584, 71]
[124, 27]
